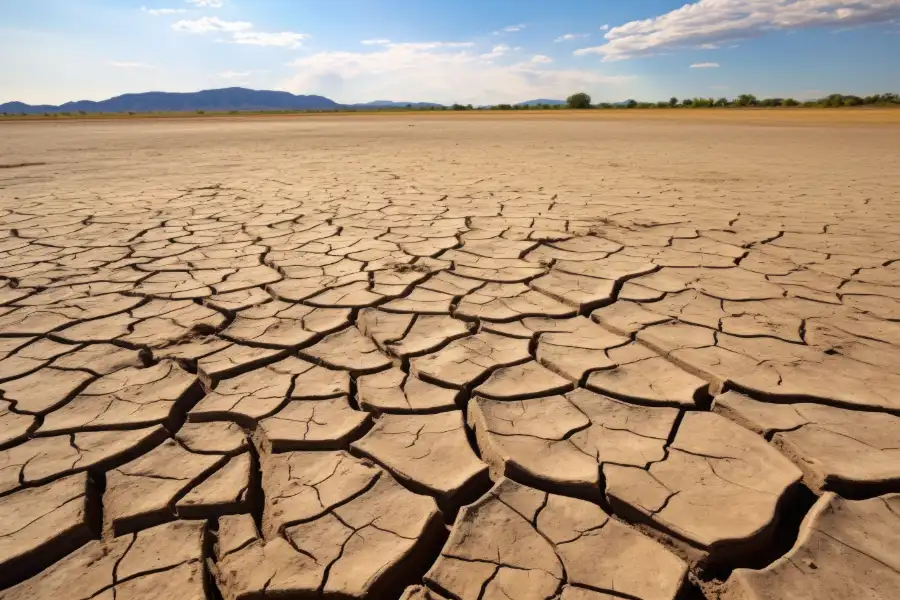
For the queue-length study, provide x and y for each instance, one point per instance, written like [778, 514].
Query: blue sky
[478, 51]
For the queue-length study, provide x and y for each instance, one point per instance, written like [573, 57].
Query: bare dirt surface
[452, 357]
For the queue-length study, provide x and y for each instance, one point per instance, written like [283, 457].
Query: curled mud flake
[41, 525]
[852, 452]
[332, 524]
[719, 487]
[845, 549]
[466, 360]
[503, 544]
[430, 453]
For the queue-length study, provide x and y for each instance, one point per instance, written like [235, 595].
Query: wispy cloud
[437, 71]
[234, 74]
[279, 39]
[242, 32]
[604, 28]
[706, 65]
[124, 64]
[159, 12]
[376, 42]
[209, 24]
[716, 21]
[511, 29]
[497, 51]
[570, 37]
[207, 3]
[541, 59]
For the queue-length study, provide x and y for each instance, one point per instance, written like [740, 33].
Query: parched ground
[464, 357]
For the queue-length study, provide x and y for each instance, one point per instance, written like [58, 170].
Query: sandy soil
[615, 355]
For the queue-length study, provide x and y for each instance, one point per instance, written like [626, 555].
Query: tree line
[582, 100]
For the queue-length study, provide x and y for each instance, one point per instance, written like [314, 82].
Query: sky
[467, 51]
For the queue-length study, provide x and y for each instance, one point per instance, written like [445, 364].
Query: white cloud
[124, 64]
[158, 12]
[234, 74]
[511, 29]
[208, 24]
[706, 65]
[438, 72]
[604, 28]
[242, 32]
[541, 59]
[280, 39]
[378, 42]
[207, 3]
[568, 37]
[497, 51]
[717, 21]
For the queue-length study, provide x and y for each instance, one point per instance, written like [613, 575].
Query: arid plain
[463, 357]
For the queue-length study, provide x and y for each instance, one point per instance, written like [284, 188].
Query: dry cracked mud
[434, 359]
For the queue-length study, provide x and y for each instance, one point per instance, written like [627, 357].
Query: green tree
[579, 100]
[631, 103]
[687, 102]
[673, 101]
[722, 102]
[746, 100]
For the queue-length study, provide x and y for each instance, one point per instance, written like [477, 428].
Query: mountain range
[540, 101]
[225, 99]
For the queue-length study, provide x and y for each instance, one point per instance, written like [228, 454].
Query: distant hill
[392, 104]
[541, 101]
[212, 100]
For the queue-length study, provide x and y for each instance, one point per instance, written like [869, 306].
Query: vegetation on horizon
[583, 101]
[578, 101]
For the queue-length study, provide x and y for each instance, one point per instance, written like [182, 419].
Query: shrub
[579, 100]
[663, 104]
[201, 112]
[791, 102]
[687, 102]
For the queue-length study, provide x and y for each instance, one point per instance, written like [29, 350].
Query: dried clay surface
[438, 357]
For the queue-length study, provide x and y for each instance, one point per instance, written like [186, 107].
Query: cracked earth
[449, 359]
